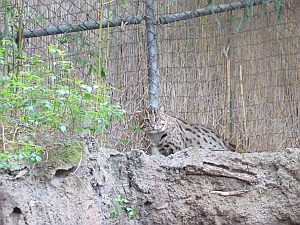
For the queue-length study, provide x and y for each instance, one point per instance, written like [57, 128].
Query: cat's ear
[139, 113]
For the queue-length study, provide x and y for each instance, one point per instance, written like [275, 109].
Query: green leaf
[87, 88]
[263, 10]
[63, 128]
[87, 95]
[38, 158]
[38, 148]
[131, 213]
[124, 2]
[26, 103]
[20, 157]
[103, 72]
[62, 91]
[250, 7]
[278, 6]
[134, 127]
[210, 8]
[241, 21]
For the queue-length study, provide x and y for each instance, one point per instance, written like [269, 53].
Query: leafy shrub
[49, 97]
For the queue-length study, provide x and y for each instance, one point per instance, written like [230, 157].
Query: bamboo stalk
[243, 106]
[19, 39]
[229, 130]
[6, 30]
[99, 79]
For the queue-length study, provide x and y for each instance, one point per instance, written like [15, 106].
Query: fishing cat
[169, 134]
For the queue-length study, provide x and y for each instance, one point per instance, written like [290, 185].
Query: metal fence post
[151, 49]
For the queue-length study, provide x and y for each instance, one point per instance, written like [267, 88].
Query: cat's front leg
[154, 150]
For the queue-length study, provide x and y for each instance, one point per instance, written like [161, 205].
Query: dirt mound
[190, 187]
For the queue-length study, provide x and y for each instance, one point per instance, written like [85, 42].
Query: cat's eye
[147, 120]
[157, 119]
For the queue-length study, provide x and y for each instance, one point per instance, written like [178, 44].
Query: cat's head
[151, 120]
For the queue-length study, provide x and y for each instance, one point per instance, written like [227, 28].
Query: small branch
[230, 193]
[78, 164]
[3, 138]
[217, 171]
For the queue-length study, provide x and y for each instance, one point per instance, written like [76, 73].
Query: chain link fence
[195, 61]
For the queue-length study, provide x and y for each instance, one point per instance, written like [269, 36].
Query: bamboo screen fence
[245, 85]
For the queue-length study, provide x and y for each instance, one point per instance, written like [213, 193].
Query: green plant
[28, 152]
[248, 12]
[121, 204]
[40, 96]
[125, 142]
[87, 60]
[64, 105]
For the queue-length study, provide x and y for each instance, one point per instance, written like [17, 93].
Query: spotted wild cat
[169, 134]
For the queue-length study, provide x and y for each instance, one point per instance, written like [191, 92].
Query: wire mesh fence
[180, 56]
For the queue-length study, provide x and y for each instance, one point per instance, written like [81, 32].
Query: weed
[121, 204]
[28, 152]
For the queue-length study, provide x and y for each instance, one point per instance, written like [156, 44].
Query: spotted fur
[169, 134]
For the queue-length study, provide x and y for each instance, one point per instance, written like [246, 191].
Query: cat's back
[200, 136]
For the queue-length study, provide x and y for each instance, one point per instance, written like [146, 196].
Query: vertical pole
[151, 48]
